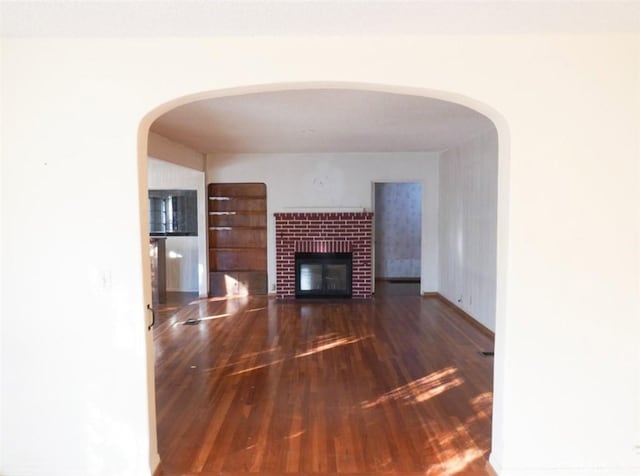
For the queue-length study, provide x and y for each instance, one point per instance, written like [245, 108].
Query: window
[173, 213]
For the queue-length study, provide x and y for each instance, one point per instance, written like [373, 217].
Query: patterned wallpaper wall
[398, 218]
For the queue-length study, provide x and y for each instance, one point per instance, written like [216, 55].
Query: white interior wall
[334, 182]
[567, 112]
[186, 258]
[468, 226]
[637, 388]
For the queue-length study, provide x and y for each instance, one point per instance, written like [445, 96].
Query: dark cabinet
[157, 253]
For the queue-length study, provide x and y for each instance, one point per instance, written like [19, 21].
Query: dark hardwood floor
[393, 385]
[384, 287]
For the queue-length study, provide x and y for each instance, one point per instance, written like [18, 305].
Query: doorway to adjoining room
[398, 237]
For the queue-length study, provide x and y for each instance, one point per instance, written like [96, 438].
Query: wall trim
[465, 315]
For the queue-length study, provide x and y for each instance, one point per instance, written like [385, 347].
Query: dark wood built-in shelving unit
[237, 238]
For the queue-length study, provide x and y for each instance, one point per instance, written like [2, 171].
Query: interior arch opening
[321, 149]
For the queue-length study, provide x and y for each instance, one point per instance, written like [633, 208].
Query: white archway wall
[568, 235]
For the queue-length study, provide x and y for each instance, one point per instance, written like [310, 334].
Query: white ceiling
[320, 120]
[312, 17]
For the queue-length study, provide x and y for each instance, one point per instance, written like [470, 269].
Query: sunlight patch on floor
[420, 390]
[482, 404]
[456, 462]
[328, 344]
[217, 316]
[256, 367]
[325, 343]
[297, 434]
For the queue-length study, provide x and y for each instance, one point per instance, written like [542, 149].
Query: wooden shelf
[252, 190]
[236, 212]
[232, 197]
[238, 248]
[237, 232]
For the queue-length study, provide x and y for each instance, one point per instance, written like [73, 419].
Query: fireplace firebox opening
[323, 275]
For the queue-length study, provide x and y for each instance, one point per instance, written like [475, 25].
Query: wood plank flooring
[393, 385]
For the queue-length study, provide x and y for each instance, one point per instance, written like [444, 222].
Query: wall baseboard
[432, 294]
[465, 315]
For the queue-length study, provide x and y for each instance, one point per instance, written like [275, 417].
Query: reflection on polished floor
[387, 287]
[391, 385]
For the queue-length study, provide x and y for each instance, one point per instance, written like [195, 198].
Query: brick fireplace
[349, 232]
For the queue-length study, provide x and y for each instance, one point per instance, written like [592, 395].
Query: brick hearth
[324, 233]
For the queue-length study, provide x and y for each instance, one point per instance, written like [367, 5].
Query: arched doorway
[500, 180]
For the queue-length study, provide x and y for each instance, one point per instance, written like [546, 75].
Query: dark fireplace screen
[323, 274]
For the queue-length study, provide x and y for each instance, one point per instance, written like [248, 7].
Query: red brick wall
[324, 232]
